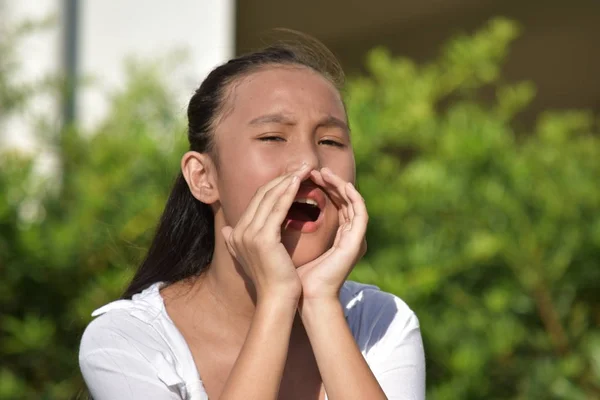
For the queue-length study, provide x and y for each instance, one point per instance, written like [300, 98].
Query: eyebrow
[328, 121]
[273, 118]
[331, 121]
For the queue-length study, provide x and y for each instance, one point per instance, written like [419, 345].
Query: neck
[230, 286]
[226, 284]
[226, 293]
[219, 303]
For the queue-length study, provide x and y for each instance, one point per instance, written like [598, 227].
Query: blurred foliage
[75, 214]
[489, 230]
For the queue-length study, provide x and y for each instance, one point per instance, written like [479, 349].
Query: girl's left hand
[323, 277]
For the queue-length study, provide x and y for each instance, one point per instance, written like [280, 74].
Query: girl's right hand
[255, 242]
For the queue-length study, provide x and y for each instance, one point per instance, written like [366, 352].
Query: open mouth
[306, 214]
[305, 210]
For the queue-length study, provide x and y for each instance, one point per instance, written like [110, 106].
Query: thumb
[227, 231]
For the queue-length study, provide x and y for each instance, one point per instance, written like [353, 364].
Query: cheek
[238, 182]
[342, 165]
[305, 248]
[236, 191]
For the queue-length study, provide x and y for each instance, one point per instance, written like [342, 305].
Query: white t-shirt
[135, 351]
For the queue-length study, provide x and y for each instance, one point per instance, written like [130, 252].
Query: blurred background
[475, 128]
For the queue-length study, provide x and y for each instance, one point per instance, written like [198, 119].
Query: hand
[324, 276]
[256, 239]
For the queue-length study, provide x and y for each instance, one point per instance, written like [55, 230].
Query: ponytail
[183, 244]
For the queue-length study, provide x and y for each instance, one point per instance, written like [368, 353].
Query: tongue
[302, 212]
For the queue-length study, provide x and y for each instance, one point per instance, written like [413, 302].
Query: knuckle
[263, 236]
[256, 239]
[236, 237]
[230, 241]
[271, 192]
[260, 191]
[260, 235]
[247, 237]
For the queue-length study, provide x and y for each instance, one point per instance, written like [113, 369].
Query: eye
[271, 139]
[329, 142]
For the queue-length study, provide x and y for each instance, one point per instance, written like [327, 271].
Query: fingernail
[304, 165]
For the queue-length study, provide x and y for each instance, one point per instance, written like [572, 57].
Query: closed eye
[271, 139]
[329, 142]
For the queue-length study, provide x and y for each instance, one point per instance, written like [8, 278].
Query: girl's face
[274, 120]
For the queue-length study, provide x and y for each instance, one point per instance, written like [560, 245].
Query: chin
[302, 259]
[305, 248]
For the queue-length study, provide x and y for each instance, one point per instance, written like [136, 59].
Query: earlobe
[199, 173]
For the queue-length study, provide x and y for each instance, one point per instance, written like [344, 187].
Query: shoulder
[387, 333]
[132, 349]
[129, 324]
[376, 318]
[368, 301]
[133, 336]
[120, 329]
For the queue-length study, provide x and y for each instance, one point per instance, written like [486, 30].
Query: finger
[227, 231]
[278, 212]
[260, 194]
[359, 209]
[351, 235]
[337, 186]
[317, 177]
[257, 198]
[337, 200]
[342, 217]
[338, 236]
[278, 201]
[266, 205]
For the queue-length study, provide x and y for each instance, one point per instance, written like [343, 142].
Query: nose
[303, 154]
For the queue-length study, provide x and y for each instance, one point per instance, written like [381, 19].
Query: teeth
[307, 201]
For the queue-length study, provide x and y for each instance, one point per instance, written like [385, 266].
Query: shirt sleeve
[390, 337]
[117, 363]
[401, 372]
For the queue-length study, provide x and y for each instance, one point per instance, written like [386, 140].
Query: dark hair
[184, 241]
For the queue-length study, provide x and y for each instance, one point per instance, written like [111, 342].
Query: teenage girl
[243, 292]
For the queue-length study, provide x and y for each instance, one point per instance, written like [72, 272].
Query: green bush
[74, 223]
[490, 232]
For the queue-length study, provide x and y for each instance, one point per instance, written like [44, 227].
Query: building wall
[559, 49]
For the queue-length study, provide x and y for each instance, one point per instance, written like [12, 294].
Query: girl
[243, 292]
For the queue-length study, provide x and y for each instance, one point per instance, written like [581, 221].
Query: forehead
[296, 91]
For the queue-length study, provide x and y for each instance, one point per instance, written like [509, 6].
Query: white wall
[40, 56]
[148, 29]
[109, 32]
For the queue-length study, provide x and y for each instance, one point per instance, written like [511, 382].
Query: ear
[200, 174]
